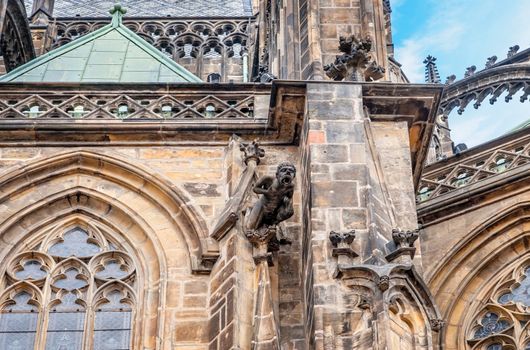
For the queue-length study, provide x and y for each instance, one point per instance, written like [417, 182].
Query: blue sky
[461, 33]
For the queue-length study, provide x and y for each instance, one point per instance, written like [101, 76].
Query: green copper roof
[111, 54]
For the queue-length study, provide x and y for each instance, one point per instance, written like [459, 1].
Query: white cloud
[461, 34]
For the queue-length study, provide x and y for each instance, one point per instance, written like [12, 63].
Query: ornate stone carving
[342, 249]
[491, 61]
[251, 151]
[450, 79]
[470, 71]
[431, 70]
[512, 51]
[275, 204]
[356, 62]
[437, 324]
[263, 75]
[404, 239]
[383, 283]
[404, 246]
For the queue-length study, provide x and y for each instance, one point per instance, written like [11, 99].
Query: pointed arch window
[74, 290]
[504, 320]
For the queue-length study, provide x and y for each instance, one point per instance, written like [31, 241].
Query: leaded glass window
[112, 329]
[503, 322]
[89, 283]
[18, 323]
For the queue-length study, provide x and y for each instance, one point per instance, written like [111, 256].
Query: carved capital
[404, 239]
[261, 235]
[404, 245]
[337, 238]
[437, 324]
[251, 151]
[342, 249]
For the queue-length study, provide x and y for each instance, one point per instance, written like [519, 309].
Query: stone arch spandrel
[126, 182]
[465, 276]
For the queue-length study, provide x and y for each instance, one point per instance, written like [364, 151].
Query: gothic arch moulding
[125, 184]
[469, 281]
[100, 193]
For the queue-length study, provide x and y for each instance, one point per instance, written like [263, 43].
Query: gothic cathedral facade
[251, 175]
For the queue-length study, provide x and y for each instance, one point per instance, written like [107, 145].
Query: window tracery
[504, 322]
[89, 287]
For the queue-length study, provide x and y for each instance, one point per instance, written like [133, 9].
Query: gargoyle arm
[263, 185]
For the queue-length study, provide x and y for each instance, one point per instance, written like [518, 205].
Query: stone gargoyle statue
[275, 203]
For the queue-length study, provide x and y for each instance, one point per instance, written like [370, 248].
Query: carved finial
[354, 62]
[512, 51]
[450, 79]
[470, 71]
[431, 70]
[491, 61]
[251, 151]
[405, 239]
[117, 12]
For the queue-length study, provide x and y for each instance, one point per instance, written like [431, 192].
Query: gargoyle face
[286, 173]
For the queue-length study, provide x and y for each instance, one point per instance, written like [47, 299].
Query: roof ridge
[115, 25]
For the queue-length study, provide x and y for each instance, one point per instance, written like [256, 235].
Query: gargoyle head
[286, 173]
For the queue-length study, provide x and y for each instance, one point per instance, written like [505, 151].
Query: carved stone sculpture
[491, 61]
[356, 62]
[342, 249]
[512, 51]
[404, 239]
[276, 202]
[450, 79]
[470, 71]
[404, 246]
[263, 75]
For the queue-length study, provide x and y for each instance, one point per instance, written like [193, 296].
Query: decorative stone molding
[404, 245]
[437, 324]
[342, 249]
[356, 62]
[383, 283]
[388, 292]
[251, 155]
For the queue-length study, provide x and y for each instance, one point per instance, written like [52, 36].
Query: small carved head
[286, 173]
